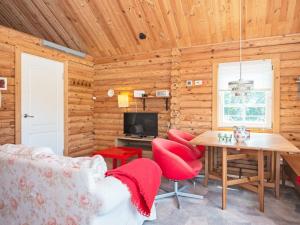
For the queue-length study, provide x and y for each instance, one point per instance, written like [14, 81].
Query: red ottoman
[119, 153]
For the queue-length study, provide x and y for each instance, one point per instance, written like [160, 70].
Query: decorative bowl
[241, 134]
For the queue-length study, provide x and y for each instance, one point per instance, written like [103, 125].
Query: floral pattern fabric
[39, 187]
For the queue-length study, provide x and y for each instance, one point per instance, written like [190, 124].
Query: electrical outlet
[198, 82]
[189, 83]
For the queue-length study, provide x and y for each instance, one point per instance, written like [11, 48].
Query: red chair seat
[184, 138]
[196, 165]
[177, 163]
[176, 160]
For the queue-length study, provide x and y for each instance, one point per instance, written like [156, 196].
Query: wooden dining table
[255, 147]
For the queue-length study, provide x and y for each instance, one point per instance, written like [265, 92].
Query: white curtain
[260, 71]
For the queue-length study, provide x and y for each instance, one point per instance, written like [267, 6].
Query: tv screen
[141, 124]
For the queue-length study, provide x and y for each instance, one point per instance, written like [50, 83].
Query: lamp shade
[123, 101]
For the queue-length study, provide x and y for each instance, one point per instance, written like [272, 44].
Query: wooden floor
[242, 208]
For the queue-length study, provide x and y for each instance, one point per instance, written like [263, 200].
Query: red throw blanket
[142, 177]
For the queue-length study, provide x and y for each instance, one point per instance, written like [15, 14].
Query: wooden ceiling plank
[153, 18]
[54, 23]
[132, 34]
[270, 9]
[228, 34]
[121, 39]
[150, 20]
[3, 19]
[72, 15]
[135, 17]
[223, 19]
[30, 21]
[20, 21]
[92, 27]
[196, 25]
[164, 28]
[145, 21]
[217, 21]
[68, 26]
[170, 17]
[209, 16]
[121, 26]
[250, 18]
[296, 20]
[55, 19]
[103, 23]
[283, 10]
[109, 28]
[291, 10]
[181, 21]
[261, 12]
[41, 21]
[275, 18]
[171, 32]
[207, 28]
[235, 21]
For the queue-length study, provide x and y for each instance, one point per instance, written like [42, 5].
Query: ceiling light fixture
[240, 87]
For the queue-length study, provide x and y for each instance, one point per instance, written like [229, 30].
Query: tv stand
[134, 141]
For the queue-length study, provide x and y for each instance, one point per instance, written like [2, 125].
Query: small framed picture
[3, 84]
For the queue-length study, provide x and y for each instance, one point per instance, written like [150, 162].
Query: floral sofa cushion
[39, 187]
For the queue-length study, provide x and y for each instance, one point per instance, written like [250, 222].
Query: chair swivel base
[178, 192]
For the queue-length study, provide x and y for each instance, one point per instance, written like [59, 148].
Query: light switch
[198, 82]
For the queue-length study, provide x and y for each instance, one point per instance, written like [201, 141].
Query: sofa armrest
[111, 192]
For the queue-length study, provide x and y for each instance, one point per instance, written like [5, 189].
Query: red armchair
[177, 163]
[184, 138]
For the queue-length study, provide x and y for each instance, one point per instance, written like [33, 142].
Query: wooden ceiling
[106, 28]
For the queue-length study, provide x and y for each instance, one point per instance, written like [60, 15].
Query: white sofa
[39, 187]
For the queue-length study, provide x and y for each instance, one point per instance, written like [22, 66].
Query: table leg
[277, 174]
[283, 174]
[206, 167]
[272, 166]
[211, 158]
[215, 155]
[115, 163]
[261, 189]
[224, 177]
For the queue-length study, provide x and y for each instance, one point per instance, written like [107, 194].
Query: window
[255, 111]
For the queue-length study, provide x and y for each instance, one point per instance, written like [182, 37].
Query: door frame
[18, 51]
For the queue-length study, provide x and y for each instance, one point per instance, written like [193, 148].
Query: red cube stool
[119, 153]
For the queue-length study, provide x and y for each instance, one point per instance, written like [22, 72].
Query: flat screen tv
[141, 124]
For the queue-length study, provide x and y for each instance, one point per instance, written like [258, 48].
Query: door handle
[28, 116]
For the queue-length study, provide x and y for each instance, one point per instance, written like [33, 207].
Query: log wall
[80, 74]
[197, 63]
[191, 108]
[7, 111]
[142, 74]
[96, 124]
[81, 108]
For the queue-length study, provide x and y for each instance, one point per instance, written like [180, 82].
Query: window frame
[275, 60]
[266, 125]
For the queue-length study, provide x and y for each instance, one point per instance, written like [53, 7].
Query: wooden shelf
[144, 143]
[154, 97]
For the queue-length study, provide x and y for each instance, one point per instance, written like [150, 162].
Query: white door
[42, 102]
